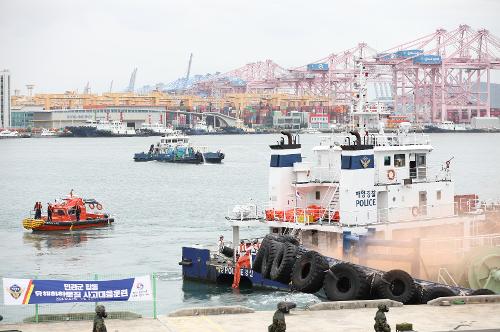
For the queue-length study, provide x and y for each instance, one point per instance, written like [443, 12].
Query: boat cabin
[359, 179]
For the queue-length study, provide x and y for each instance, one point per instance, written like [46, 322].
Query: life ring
[414, 211]
[91, 206]
[391, 174]
[99, 206]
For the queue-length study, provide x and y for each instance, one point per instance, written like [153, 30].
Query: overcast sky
[59, 45]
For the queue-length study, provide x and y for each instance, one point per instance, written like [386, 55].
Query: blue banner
[357, 162]
[29, 291]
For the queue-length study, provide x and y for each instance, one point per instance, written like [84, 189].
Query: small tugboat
[175, 148]
[69, 214]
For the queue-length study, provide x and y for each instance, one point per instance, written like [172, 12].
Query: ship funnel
[287, 134]
[284, 155]
[358, 137]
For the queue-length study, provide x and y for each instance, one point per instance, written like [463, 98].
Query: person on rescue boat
[49, 212]
[78, 210]
[38, 210]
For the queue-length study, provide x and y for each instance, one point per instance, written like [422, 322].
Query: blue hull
[209, 157]
[197, 265]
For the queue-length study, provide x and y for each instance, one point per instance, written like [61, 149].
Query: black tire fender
[268, 259]
[396, 285]
[257, 262]
[434, 292]
[308, 272]
[228, 252]
[345, 282]
[283, 262]
[482, 291]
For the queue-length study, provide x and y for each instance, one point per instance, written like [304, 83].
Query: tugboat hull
[197, 265]
[40, 225]
[208, 157]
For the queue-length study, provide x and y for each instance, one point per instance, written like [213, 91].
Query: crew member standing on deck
[49, 212]
[243, 262]
[38, 210]
[220, 244]
[78, 210]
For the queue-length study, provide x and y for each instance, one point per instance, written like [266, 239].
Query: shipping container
[428, 59]
[317, 67]
[408, 53]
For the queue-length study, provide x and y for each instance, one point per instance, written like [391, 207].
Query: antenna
[188, 72]
[131, 84]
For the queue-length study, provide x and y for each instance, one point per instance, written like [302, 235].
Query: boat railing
[310, 215]
[380, 139]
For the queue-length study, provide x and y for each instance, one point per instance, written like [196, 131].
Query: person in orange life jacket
[49, 212]
[241, 248]
[242, 262]
[38, 210]
[78, 210]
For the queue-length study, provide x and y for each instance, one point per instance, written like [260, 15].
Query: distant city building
[22, 116]
[319, 121]
[295, 120]
[132, 117]
[4, 99]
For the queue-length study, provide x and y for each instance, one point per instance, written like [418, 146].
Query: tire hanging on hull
[309, 272]
[345, 281]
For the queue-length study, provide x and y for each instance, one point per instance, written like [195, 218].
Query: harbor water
[160, 207]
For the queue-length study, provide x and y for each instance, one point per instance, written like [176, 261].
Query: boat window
[438, 195]
[421, 159]
[387, 161]
[399, 160]
[60, 212]
[318, 195]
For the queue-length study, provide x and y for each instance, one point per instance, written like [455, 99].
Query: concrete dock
[466, 317]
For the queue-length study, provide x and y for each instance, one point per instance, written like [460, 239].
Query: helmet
[100, 310]
[383, 307]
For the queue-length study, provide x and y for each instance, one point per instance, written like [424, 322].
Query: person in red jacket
[243, 262]
[38, 210]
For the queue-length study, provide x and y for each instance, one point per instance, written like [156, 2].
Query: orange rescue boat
[65, 216]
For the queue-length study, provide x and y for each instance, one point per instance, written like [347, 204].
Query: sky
[61, 45]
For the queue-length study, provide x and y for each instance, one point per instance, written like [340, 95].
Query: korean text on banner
[33, 291]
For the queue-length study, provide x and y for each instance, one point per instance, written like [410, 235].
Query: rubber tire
[265, 269]
[228, 252]
[257, 262]
[432, 293]
[418, 295]
[308, 272]
[288, 239]
[482, 291]
[385, 286]
[283, 262]
[346, 282]
[268, 259]
[278, 238]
